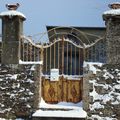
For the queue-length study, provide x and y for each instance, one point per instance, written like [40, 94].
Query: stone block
[101, 90]
[10, 53]
[109, 81]
[90, 99]
[108, 111]
[23, 102]
[90, 87]
[102, 81]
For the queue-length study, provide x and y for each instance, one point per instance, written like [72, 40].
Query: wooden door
[62, 90]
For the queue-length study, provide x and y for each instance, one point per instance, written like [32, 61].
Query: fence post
[38, 81]
[37, 93]
[12, 29]
[112, 21]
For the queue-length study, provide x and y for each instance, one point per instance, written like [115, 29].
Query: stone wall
[104, 93]
[101, 92]
[113, 41]
[16, 91]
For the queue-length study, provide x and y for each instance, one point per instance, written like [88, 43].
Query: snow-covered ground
[11, 119]
[62, 109]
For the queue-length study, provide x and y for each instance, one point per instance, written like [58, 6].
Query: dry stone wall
[16, 91]
[113, 41]
[104, 91]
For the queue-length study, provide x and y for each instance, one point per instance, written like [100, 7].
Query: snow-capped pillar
[12, 29]
[112, 21]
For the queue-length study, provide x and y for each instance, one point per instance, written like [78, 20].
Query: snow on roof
[12, 13]
[112, 12]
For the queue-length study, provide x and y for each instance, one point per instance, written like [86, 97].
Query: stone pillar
[112, 21]
[86, 88]
[12, 29]
[85, 95]
[38, 80]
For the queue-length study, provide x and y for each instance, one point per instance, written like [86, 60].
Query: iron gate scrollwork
[66, 50]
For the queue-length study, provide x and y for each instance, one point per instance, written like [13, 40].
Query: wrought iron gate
[68, 56]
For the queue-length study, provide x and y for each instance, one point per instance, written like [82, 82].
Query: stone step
[56, 118]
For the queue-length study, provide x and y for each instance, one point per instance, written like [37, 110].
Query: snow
[117, 86]
[22, 89]
[32, 68]
[15, 85]
[95, 95]
[30, 81]
[71, 114]
[62, 109]
[117, 70]
[108, 75]
[2, 105]
[19, 119]
[28, 106]
[91, 66]
[112, 12]
[12, 96]
[59, 105]
[30, 62]
[96, 105]
[118, 98]
[115, 103]
[14, 76]
[30, 93]
[12, 13]
[106, 98]
[3, 111]
[68, 77]
[118, 74]
[109, 96]
[102, 118]
[11, 119]
[72, 77]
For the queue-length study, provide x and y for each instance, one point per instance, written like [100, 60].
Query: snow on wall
[91, 66]
[30, 62]
[105, 93]
[16, 91]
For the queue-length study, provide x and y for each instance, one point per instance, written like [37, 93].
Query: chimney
[112, 22]
[12, 29]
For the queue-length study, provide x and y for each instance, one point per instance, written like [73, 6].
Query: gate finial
[115, 5]
[12, 6]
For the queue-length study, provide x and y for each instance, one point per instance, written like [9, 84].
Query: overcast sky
[40, 13]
